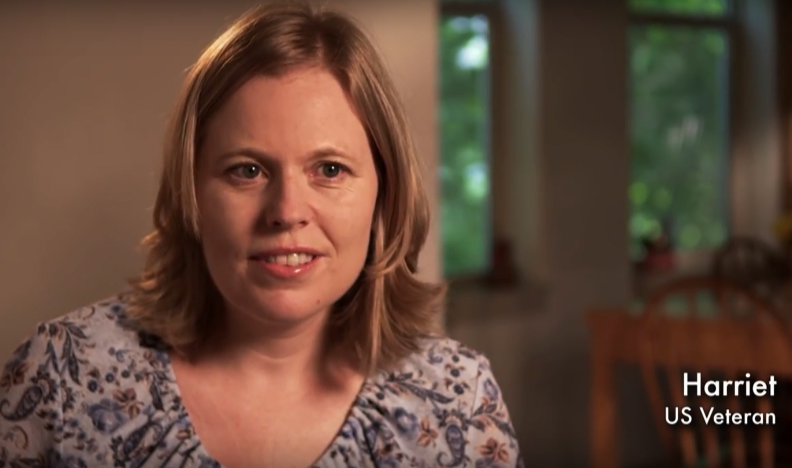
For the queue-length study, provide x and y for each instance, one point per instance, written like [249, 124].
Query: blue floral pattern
[87, 391]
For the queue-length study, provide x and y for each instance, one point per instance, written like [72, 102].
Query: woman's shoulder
[442, 371]
[79, 386]
[87, 347]
[442, 359]
[442, 404]
[89, 334]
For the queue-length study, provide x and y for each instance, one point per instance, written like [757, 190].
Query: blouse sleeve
[492, 441]
[30, 410]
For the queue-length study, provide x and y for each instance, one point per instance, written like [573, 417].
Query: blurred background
[581, 156]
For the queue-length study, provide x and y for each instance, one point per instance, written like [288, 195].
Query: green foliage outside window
[679, 128]
[464, 134]
[691, 7]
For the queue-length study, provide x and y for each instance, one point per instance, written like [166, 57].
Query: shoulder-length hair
[388, 311]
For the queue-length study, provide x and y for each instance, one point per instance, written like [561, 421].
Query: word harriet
[715, 388]
[710, 416]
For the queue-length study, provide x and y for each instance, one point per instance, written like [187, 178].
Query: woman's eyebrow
[323, 151]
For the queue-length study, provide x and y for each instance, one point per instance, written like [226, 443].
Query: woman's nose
[287, 205]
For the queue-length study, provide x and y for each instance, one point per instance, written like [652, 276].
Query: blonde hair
[388, 311]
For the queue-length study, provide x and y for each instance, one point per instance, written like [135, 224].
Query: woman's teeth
[294, 259]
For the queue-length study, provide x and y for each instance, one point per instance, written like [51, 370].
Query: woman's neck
[290, 356]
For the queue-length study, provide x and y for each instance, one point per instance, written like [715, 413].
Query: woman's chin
[289, 307]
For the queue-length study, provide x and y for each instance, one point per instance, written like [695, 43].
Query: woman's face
[286, 187]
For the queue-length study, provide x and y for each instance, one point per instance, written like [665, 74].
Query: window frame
[489, 9]
[727, 23]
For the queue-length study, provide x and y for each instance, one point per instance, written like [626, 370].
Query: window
[679, 78]
[464, 117]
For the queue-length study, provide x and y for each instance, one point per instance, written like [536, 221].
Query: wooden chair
[723, 331]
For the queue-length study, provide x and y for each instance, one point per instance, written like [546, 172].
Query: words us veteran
[692, 385]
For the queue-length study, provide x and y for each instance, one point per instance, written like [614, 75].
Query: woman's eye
[331, 170]
[247, 171]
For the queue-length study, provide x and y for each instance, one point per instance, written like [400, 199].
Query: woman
[278, 321]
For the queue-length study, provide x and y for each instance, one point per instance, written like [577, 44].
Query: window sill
[474, 300]
[687, 264]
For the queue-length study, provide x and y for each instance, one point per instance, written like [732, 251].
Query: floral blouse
[87, 391]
